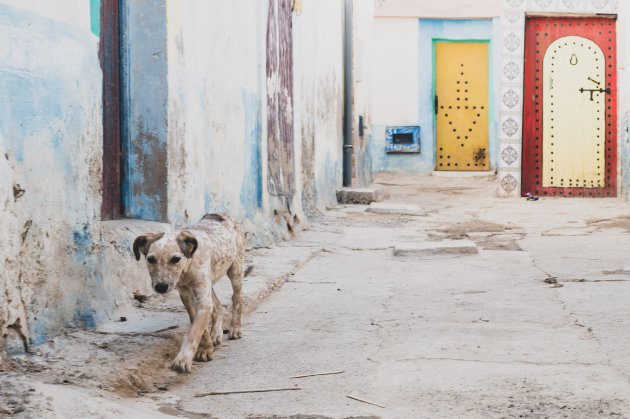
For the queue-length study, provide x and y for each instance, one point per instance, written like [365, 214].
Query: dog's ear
[187, 243]
[142, 243]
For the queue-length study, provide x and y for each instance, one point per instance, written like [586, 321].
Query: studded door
[461, 106]
[569, 127]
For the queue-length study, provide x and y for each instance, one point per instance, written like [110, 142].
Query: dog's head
[167, 256]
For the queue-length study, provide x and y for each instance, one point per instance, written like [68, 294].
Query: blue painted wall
[428, 31]
[50, 145]
[252, 188]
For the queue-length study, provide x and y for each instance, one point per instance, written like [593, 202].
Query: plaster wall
[402, 85]
[623, 78]
[72, 12]
[50, 170]
[216, 110]
[217, 113]
[451, 9]
[318, 66]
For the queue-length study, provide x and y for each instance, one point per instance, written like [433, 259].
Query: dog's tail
[248, 270]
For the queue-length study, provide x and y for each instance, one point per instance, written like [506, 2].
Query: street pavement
[498, 307]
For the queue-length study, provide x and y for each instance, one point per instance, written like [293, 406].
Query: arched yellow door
[461, 106]
[574, 114]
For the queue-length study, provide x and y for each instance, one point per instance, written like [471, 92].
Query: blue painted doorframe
[144, 110]
[430, 31]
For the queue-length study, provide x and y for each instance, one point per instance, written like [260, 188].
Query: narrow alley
[422, 207]
[534, 324]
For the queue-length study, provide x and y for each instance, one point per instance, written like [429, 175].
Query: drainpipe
[347, 94]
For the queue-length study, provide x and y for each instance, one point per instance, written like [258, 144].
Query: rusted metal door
[461, 105]
[569, 127]
[280, 99]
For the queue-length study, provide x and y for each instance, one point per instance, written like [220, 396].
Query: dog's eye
[152, 260]
[175, 260]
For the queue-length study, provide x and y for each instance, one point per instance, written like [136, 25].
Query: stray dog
[193, 260]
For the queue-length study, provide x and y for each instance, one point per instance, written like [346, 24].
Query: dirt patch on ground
[461, 230]
[487, 235]
[129, 366]
[619, 222]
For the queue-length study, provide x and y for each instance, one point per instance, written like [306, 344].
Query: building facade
[485, 87]
[123, 117]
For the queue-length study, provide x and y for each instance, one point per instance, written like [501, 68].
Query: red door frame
[540, 32]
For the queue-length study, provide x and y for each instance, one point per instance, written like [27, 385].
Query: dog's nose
[161, 287]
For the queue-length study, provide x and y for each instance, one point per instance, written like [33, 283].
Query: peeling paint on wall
[145, 100]
[50, 171]
[95, 17]
[280, 99]
[65, 268]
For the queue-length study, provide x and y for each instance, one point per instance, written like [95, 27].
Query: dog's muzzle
[161, 287]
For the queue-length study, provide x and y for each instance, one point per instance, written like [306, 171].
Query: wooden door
[569, 123]
[461, 106]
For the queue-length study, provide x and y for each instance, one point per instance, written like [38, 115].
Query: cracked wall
[50, 169]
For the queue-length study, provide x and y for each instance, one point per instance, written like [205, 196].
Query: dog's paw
[204, 354]
[182, 364]
[235, 332]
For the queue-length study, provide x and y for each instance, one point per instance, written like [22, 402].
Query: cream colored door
[574, 107]
[461, 101]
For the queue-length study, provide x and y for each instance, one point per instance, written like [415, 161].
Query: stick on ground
[263, 390]
[318, 373]
[364, 401]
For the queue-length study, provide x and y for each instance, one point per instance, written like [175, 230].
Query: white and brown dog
[193, 260]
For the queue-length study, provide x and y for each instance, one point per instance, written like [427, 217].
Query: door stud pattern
[461, 103]
[573, 122]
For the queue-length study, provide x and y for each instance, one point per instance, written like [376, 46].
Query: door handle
[435, 104]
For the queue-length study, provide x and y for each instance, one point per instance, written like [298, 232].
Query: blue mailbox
[405, 139]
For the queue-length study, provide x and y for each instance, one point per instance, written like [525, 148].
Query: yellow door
[573, 114]
[461, 105]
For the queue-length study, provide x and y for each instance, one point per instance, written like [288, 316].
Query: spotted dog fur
[193, 260]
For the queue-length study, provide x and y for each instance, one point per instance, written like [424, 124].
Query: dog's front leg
[207, 342]
[203, 311]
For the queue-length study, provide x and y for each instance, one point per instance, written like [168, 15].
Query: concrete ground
[533, 323]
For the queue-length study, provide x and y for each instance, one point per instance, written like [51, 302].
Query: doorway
[461, 105]
[569, 122]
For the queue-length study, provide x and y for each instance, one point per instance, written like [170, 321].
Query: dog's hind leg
[235, 273]
[206, 343]
[216, 321]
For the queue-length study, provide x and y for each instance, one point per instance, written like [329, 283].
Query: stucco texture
[49, 175]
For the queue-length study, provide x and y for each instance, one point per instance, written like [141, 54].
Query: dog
[192, 261]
